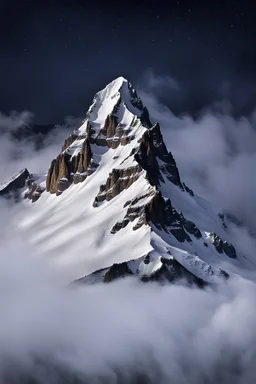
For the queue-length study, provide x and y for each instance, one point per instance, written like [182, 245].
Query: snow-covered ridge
[120, 199]
[16, 182]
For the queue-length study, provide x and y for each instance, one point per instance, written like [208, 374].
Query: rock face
[117, 271]
[223, 246]
[34, 190]
[64, 167]
[151, 148]
[118, 180]
[70, 140]
[15, 184]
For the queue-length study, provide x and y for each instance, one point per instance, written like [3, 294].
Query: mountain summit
[113, 202]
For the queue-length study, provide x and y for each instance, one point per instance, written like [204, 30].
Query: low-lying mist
[121, 332]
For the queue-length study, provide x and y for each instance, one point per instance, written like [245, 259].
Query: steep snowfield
[76, 236]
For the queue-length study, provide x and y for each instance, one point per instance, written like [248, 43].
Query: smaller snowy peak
[24, 184]
[15, 183]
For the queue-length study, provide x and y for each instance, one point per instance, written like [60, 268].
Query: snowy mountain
[113, 202]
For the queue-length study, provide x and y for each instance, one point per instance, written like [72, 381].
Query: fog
[33, 152]
[123, 332]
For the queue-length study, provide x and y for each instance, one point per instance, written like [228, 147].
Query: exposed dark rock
[128, 202]
[161, 213]
[100, 141]
[63, 184]
[125, 140]
[144, 118]
[190, 227]
[59, 169]
[79, 177]
[170, 271]
[223, 246]
[187, 189]
[119, 225]
[173, 271]
[151, 148]
[147, 259]
[118, 180]
[229, 249]
[139, 223]
[135, 100]
[69, 141]
[84, 158]
[114, 143]
[117, 271]
[34, 190]
[65, 167]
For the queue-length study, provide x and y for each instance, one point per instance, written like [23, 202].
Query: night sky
[55, 55]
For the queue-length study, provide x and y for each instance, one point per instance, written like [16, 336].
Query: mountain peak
[117, 95]
[121, 198]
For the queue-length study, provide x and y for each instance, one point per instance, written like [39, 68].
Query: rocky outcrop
[112, 134]
[144, 118]
[34, 190]
[223, 246]
[15, 184]
[163, 216]
[110, 125]
[66, 168]
[135, 100]
[118, 180]
[59, 169]
[172, 271]
[117, 271]
[82, 162]
[188, 190]
[153, 156]
[69, 141]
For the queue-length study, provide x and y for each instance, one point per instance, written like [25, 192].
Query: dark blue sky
[55, 55]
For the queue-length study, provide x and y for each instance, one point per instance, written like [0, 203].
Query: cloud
[34, 151]
[14, 120]
[157, 83]
[124, 332]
